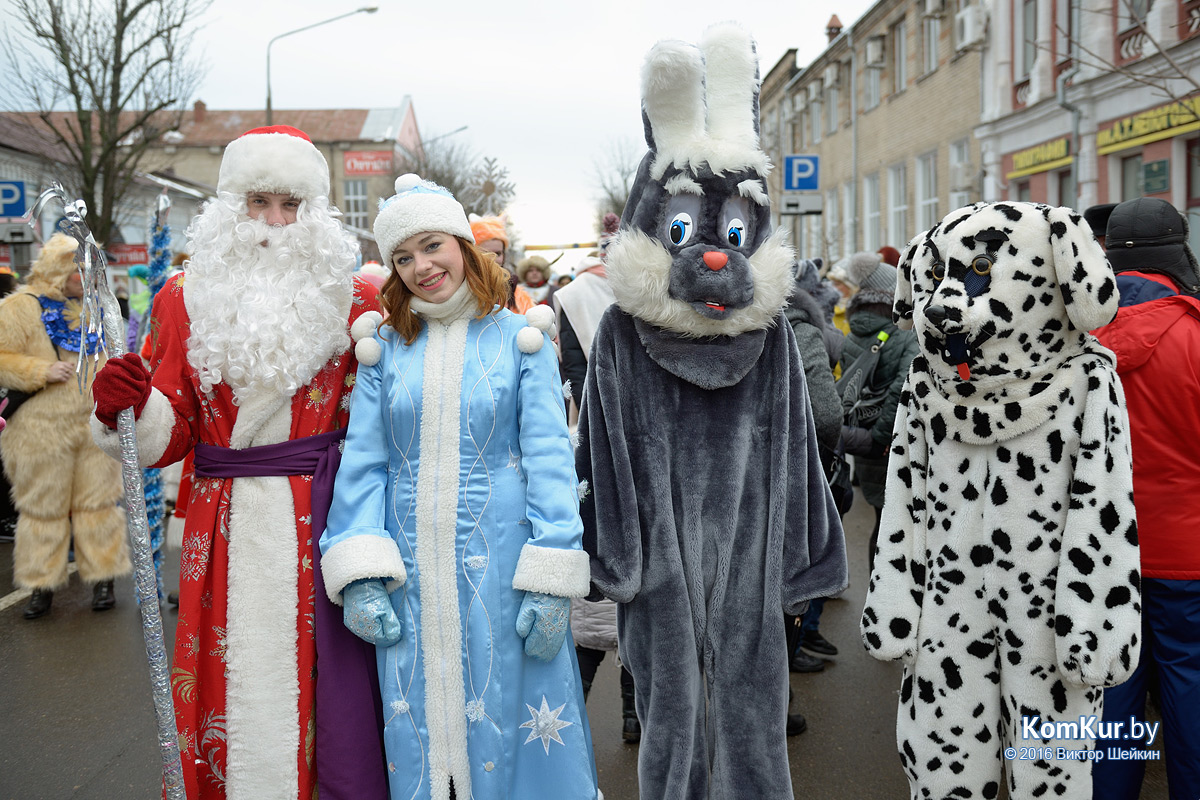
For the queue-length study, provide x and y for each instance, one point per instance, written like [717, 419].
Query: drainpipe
[854, 243]
[1061, 93]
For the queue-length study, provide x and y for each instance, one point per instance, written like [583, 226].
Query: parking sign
[801, 173]
[12, 198]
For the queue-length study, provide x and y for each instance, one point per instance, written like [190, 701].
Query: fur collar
[639, 271]
[711, 363]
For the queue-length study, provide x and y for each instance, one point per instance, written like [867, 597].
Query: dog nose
[936, 314]
[715, 260]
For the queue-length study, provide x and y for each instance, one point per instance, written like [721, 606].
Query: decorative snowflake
[400, 706]
[316, 397]
[566, 389]
[583, 488]
[349, 380]
[488, 189]
[475, 710]
[545, 724]
[222, 643]
[477, 562]
[514, 461]
[576, 437]
[344, 403]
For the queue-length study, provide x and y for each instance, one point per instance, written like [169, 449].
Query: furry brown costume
[60, 479]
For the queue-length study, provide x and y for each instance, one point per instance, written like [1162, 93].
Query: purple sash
[349, 742]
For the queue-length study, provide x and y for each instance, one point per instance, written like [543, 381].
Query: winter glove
[542, 623]
[368, 613]
[123, 383]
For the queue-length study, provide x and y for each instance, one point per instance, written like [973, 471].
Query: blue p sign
[12, 198]
[801, 173]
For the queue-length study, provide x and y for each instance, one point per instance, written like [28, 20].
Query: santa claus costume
[252, 367]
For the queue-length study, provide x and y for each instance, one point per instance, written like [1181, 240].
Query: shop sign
[128, 255]
[1042, 157]
[1156, 177]
[367, 162]
[1163, 122]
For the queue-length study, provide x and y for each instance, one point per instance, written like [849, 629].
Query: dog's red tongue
[964, 371]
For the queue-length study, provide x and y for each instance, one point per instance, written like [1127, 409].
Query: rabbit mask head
[695, 254]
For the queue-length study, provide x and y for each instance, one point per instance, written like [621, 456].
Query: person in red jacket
[1156, 337]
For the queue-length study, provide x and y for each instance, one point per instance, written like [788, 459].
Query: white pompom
[566, 389]
[552, 331]
[407, 181]
[365, 326]
[368, 352]
[530, 339]
[540, 317]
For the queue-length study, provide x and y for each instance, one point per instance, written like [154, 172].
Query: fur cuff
[549, 570]
[153, 430]
[362, 556]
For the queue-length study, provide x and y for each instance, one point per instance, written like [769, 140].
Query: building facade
[889, 108]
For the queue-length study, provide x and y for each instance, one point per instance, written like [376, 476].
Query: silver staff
[102, 315]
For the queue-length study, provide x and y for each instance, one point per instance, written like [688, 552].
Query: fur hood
[54, 266]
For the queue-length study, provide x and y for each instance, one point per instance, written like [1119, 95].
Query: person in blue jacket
[454, 539]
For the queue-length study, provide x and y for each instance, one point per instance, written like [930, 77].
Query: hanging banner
[367, 162]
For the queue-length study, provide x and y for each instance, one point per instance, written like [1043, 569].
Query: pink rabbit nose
[715, 260]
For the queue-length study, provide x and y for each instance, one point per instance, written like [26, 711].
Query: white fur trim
[368, 352]
[274, 162]
[262, 689]
[730, 85]
[360, 557]
[153, 429]
[682, 182]
[540, 317]
[639, 274]
[409, 212]
[549, 570]
[365, 326]
[753, 189]
[437, 528]
[530, 339]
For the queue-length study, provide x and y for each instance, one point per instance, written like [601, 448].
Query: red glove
[123, 383]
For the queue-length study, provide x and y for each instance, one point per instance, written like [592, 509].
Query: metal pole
[363, 10]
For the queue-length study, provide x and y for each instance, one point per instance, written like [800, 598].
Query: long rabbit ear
[673, 100]
[732, 85]
[1084, 276]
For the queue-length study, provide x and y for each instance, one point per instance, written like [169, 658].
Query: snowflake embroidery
[349, 380]
[400, 706]
[514, 461]
[344, 403]
[576, 437]
[566, 389]
[475, 710]
[477, 562]
[545, 724]
[193, 644]
[193, 562]
[306, 520]
[316, 397]
[584, 488]
[222, 644]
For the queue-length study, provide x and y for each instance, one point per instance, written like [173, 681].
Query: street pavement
[77, 720]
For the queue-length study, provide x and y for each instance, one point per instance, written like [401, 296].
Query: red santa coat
[243, 673]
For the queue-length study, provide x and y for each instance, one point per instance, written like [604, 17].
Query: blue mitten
[368, 613]
[542, 623]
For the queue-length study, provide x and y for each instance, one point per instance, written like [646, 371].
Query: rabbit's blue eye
[736, 232]
[681, 228]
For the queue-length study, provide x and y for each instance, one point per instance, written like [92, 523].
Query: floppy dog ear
[1084, 276]
[902, 308]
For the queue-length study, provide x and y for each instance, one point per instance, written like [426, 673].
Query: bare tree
[614, 173]
[122, 71]
[444, 161]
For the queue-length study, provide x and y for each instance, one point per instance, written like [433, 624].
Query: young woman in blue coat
[454, 540]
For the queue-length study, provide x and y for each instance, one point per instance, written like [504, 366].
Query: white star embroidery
[545, 724]
[514, 461]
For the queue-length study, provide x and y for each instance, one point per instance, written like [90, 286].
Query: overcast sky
[547, 88]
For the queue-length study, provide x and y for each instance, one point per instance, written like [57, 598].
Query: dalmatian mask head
[1003, 291]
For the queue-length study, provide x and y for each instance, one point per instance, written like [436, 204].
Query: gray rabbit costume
[708, 514]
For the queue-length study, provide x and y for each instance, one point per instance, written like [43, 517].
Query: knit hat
[279, 159]
[1150, 235]
[890, 255]
[485, 228]
[840, 272]
[533, 262]
[418, 206]
[609, 235]
[866, 271]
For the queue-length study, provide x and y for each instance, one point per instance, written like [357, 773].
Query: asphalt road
[76, 718]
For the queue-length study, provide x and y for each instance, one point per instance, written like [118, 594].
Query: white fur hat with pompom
[418, 206]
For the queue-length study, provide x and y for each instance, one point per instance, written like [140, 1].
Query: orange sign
[127, 255]
[367, 162]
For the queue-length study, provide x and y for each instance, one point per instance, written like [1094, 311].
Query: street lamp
[363, 10]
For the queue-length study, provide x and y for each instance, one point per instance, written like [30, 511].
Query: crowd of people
[385, 576]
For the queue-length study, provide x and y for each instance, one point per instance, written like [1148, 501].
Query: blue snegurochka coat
[497, 516]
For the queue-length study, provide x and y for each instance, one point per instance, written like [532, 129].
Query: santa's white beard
[266, 318]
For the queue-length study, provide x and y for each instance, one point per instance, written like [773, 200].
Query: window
[960, 174]
[898, 205]
[871, 89]
[831, 111]
[355, 193]
[1066, 190]
[1131, 177]
[931, 31]
[872, 235]
[849, 215]
[927, 192]
[1024, 192]
[814, 107]
[1028, 41]
[833, 231]
[899, 57]
[1066, 25]
[1193, 194]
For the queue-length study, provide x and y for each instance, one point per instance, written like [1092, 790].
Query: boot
[39, 604]
[631, 731]
[102, 596]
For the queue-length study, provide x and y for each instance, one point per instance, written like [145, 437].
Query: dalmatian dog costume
[1006, 575]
